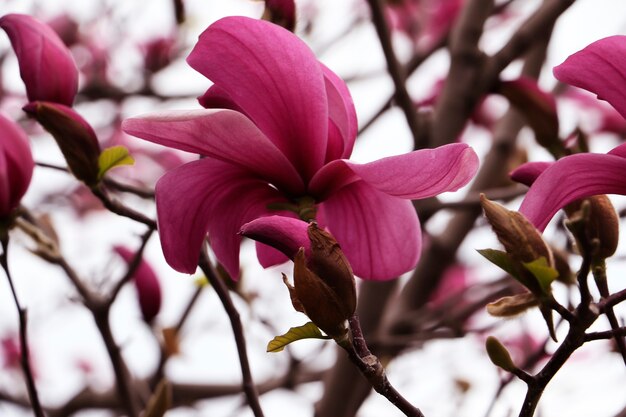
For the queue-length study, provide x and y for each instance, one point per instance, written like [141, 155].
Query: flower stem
[23, 319]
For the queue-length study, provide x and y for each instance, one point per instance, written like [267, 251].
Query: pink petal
[599, 68]
[46, 65]
[208, 196]
[222, 134]
[286, 234]
[275, 78]
[146, 283]
[216, 98]
[572, 178]
[419, 174]
[342, 115]
[16, 165]
[527, 173]
[380, 234]
[268, 256]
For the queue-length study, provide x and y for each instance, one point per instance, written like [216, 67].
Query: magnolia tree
[148, 245]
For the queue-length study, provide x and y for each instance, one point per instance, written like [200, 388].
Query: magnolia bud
[601, 225]
[324, 287]
[75, 137]
[499, 355]
[512, 305]
[16, 169]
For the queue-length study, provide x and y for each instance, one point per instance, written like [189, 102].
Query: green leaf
[501, 259]
[160, 401]
[307, 331]
[113, 157]
[544, 273]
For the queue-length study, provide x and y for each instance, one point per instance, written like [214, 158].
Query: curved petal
[419, 174]
[46, 65]
[342, 115]
[379, 234]
[208, 196]
[16, 167]
[216, 98]
[286, 234]
[221, 134]
[268, 256]
[275, 78]
[599, 68]
[572, 178]
[527, 173]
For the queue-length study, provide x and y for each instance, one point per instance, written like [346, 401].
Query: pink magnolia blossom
[16, 165]
[146, 283]
[601, 69]
[46, 65]
[278, 132]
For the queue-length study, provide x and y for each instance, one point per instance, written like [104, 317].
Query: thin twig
[118, 208]
[599, 275]
[235, 322]
[132, 266]
[23, 322]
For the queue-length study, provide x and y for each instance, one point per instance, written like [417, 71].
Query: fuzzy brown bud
[512, 305]
[600, 232]
[324, 287]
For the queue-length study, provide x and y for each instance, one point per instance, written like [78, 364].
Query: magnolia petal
[46, 65]
[286, 234]
[221, 134]
[216, 98]
[208, 196]
[342, 115]
[599, 68]
[527, 173]
[268, 256]
[275, 79]
[572, 178]
[419, 174]
[379, 234]
[16, 165]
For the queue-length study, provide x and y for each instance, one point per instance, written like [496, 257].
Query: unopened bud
[499, 355]
[600, 225]
[74, 136]
[324, 287]
[512, 305]
[518, 235]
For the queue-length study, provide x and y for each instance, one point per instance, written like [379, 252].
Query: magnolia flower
[146, 283]
[16, 165]
[601, 69]
[278, 134]
[46, 65]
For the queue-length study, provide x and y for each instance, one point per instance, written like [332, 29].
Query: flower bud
[601, 225]
[518, 236]
[46, 65]
[499, 355]
[75, 137]
[324, 287]
[16, 166]
[146, 283]
[513, 305]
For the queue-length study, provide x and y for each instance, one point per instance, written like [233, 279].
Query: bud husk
[600, 233]
[74, 136]
[512, 305]
[324, 287]
[499, 355]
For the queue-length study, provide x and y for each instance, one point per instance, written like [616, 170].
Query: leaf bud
[499, 355]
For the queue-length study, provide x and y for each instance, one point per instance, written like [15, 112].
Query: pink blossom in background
[16, 165]
[46, 65]
[279, 129]
[11, 354]
[146, 283]
[601, 69]
[604, 117]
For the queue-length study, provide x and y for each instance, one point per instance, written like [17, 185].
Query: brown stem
[235, 322]
[118, 208]
[396, 71]
[23, 322]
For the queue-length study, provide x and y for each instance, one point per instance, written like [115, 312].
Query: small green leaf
[544, 273]
[160, 401]
[500, 259]
[113, 157]
[307, 331]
